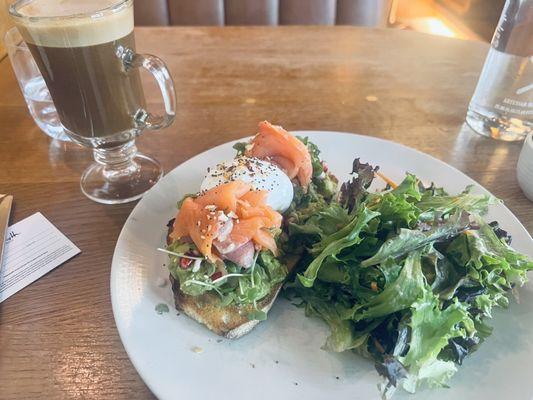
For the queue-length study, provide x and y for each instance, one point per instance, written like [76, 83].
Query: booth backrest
[262, 12]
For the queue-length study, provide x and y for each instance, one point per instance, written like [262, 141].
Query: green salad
[407, 276]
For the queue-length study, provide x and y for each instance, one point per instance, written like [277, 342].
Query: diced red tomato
[185, 263]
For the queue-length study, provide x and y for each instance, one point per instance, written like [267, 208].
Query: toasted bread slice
[231, 321]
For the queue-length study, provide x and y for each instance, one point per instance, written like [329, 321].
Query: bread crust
[230, 321]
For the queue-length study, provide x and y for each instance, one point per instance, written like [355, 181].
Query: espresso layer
[93, 94]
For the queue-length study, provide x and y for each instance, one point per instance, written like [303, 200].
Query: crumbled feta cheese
[196, 265]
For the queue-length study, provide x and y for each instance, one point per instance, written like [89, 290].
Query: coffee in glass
[85, 50]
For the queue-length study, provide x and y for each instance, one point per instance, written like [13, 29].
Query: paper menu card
[33, 247]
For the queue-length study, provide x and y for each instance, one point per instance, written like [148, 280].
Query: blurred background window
[462, 19]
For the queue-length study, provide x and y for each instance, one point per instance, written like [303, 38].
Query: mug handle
[159, 71]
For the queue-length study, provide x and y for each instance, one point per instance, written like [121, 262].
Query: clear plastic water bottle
[502, 105]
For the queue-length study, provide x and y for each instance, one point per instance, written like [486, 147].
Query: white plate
[281, 358]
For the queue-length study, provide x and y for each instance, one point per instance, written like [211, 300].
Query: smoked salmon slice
[275, 144]
[229, 214]
[225, 196]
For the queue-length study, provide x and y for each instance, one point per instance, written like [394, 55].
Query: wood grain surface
[5, 24]
[57, 337]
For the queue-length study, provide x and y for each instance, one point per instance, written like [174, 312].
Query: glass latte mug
[85, 50]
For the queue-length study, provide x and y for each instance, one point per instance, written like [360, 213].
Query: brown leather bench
[262, 12]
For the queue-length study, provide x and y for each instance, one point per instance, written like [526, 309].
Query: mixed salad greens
[407, 276]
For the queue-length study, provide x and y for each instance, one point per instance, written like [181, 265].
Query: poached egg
[262, 175]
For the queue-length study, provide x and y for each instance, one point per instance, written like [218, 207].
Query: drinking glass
[85, 51]
[502, 105]
[33, 87]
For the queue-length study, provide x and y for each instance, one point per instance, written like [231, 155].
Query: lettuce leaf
[342, 335]
[401, 294]
[409, 188]
[410, 240]
[397, 210]
[431, 329]
[436, 206]
[324, 222]
[352, 192]
[335, 243]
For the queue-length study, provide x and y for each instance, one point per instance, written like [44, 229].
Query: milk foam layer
[79, 31]
[62, 8]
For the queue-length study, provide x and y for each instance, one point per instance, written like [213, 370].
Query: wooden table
[58, 337]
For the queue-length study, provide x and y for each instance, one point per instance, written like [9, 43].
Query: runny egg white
[262, 175]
